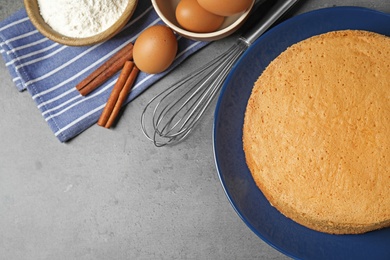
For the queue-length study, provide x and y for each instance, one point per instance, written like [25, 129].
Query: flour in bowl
[81, 18]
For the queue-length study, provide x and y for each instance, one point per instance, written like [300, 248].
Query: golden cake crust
[316, 132]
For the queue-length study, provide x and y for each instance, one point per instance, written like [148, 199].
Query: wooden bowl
[166, 11]
[32, 9]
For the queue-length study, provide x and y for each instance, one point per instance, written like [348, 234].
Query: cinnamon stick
[119, 94]
[106, 70]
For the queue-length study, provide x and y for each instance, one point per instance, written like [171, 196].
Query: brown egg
[155, 49]
[225, 7]
[192, 17]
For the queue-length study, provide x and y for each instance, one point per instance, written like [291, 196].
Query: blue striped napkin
[50, 71]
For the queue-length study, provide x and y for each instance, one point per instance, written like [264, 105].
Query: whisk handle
[266, 22]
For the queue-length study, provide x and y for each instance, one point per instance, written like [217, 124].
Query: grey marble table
[110, 194]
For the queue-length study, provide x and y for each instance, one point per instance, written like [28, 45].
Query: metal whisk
[171, 115]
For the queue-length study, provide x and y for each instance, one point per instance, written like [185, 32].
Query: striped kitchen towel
[50, 71]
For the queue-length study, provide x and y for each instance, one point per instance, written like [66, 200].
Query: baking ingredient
[155, 49]
[225, 7]
[191, 16]
[81, 18]
[106, 70]
[118, 94]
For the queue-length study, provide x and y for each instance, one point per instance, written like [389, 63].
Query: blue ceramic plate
[280, 232]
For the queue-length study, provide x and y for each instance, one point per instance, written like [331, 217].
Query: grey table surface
[110, 194]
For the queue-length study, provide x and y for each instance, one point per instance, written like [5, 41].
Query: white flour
[81, 18]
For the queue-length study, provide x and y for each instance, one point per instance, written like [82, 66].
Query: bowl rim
[204, 36]
[32, 9]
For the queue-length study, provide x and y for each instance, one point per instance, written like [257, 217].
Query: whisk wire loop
[178, 109]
